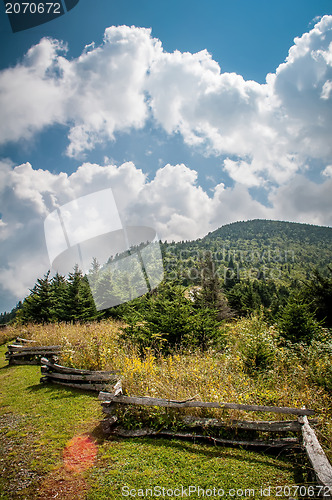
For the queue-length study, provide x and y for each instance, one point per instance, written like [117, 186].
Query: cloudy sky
[196, 114]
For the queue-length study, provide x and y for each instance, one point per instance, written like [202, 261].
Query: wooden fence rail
[317, 457]
[18, 354]
[80, 379]
[321, 466]
[109, 398]
[20, 340]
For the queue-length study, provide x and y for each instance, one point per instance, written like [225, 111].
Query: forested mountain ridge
[257, 263]
[263, 249]
[261, 229]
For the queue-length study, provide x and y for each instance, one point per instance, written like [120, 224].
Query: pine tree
[318, 293]
[37, 307]
[297, 323]
[59, 292]
[103, 290]
[80, 303]
[168, 319]
[210, 294]
[94, 273]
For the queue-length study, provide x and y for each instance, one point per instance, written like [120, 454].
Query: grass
[37, 422]
[283, 377]
[142, 464]
[40, 422]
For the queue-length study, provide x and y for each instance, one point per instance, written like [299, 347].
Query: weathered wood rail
[80, 379]
[22, 354]
[20, 340]
[109, 398]
[320, 464]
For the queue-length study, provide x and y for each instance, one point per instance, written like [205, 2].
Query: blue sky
[217, 111]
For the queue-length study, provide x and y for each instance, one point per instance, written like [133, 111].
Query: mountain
[262, 229]
[262, 249]
[255, 260]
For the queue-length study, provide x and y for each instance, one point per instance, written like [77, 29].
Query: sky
[196, 114]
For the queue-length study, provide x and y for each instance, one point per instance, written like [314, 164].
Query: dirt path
[67, 482]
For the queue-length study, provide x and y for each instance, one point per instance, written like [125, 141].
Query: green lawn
[37, 421]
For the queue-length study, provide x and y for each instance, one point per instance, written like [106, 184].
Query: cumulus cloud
[271, 128]
[304, 201]
[327, 172]
[96, 94]
[108, 86]
[302, 87]
[31, 94]
[117, 86]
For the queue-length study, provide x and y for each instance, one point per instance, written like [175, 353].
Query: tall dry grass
[282, 378]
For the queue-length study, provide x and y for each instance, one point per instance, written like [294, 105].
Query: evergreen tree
[9, 317]
[103, 290]
[59, 293]
[37, 307]
[210, 295]
[94, 273]
[80, 303]
[297, 323]
[318, 293]
[168, 319]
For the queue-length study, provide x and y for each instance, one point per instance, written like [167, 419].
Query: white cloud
[118, 85]
[96, 94]
[271, 128]
[326, 90]
[242, 172]
[107, 87]
[31, 96]
[327, 172]
[301, 86]
[172, 203]
[304, 201]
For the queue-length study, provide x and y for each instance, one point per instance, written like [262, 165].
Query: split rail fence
[319, 462]
[79, 379]
[24, 352]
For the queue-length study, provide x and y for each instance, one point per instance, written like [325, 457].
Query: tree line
[177, 315]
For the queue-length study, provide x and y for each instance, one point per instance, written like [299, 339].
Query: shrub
[320, 363]
[170, 320]
[297, 323]
[256, 343]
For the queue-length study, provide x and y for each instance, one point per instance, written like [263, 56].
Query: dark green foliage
[80, 305]
[297, 323]
[209, 296]
[167, 319]
[317, 292]
[59, 299]
[8, 317]
[59, 293]
[255, 250]
[37, 307]
[256, 343]
[247, 265]
[248, 296]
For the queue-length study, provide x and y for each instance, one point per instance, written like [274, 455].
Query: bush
[297, 323]
[320, 363]
[170, 320]
[256, 343]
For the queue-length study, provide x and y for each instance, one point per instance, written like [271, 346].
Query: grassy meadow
[39, 420]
